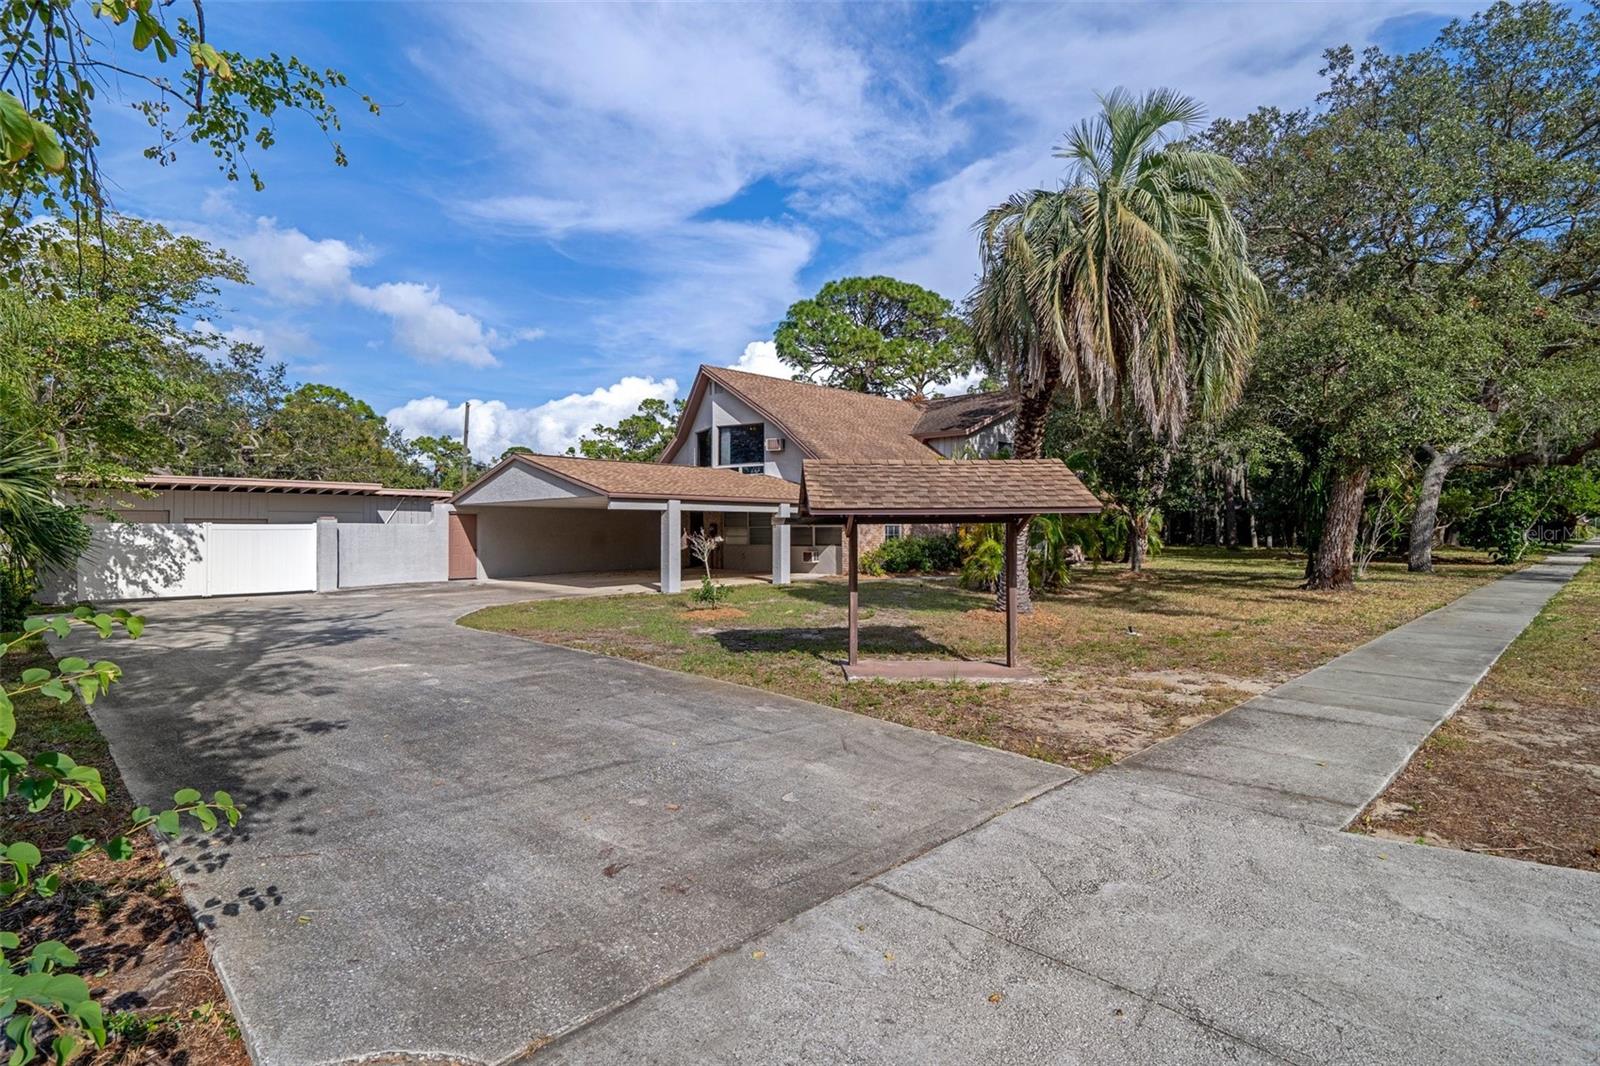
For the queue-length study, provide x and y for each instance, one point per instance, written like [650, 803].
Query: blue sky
[563, 209]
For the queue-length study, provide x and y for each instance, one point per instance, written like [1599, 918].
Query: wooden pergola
[1009, 492]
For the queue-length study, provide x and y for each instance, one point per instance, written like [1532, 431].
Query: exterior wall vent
[774, 444]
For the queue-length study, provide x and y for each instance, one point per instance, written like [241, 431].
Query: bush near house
[929, 554]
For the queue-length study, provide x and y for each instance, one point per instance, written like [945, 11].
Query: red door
[463, 546]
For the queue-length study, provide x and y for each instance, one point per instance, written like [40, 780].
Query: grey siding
[719, 407]
[984, 444]
[530, 541]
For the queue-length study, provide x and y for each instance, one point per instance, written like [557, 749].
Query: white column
[781, 538]
[672, 547]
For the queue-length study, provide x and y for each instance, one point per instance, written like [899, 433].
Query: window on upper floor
[702, 449]
[741, 446]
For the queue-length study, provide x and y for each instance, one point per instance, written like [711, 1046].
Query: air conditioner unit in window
[774, 444]
[809, 555]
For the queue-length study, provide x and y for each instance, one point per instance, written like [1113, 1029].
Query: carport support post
[1013, 530]
[671, 547]
[855, 592]
[781, 540]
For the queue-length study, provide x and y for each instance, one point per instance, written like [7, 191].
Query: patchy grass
[1127, 660]
[137, 943]
[1516, 771]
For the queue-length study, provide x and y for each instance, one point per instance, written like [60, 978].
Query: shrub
[46, 1007]
[933, 553]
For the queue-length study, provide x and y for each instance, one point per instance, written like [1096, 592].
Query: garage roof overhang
[261, 484]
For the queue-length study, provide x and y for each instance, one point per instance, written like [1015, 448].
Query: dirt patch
[714, 614]
[1516, 772]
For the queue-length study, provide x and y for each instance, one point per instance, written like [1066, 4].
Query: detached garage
[540, 515]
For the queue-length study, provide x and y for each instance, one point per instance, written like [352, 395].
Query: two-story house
[733, 468]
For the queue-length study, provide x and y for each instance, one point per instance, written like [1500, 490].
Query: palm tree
[36, 532]
[1128, 286]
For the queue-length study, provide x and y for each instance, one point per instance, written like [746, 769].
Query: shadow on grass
[830, 643]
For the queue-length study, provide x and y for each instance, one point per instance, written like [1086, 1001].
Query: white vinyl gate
[139, 561]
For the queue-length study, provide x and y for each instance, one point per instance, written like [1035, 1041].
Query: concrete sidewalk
[1191, 905]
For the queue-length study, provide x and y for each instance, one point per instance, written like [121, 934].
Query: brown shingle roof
[655, 481]
[958, 416]
[971, 487]
[826, 423]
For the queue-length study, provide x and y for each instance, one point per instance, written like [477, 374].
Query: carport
[977, 491]
[533, 515]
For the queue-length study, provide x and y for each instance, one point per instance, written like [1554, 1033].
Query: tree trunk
[1230, 513]
[1425, 522]
[1027, 442]
[1333, 566]
[1250, 514]
[1024, 593]
[1138, 536]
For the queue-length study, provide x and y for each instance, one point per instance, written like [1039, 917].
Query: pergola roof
[961, 489]
[620, 480]
[263, 484]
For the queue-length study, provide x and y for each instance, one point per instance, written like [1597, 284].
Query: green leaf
[119, 848]
[73, 665]
[221, 799]
[33, 623]
[8, 720]
[79, 844]
[54, 761]
[23, 854]
[88, 1014]
[185, 796]
[140, 814]
[33, 675]
[208, 820]
[134, 625]
[70, 798]
[167, 822]
[62, 1048]
[62, 627]
[82, 611]
[56, 691]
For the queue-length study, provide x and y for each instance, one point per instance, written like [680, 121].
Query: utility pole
[466, 447]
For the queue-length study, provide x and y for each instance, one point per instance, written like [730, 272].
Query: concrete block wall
[364, 554]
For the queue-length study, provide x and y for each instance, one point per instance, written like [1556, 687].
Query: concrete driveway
[458, 844]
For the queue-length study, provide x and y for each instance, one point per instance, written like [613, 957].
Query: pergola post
[1013, 529]
[855, 594]
[672, 547]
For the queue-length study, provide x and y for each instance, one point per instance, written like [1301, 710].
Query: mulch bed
[138, 945]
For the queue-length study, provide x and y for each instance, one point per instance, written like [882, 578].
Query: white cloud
[711, 285]
[761, 357]
[550, 427]
[620, 125]
[428, 328]
[306, 271]
[676, 107]
[293, 266]
[1036, 70]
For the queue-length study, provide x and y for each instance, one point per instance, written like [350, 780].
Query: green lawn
[1127, 660]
